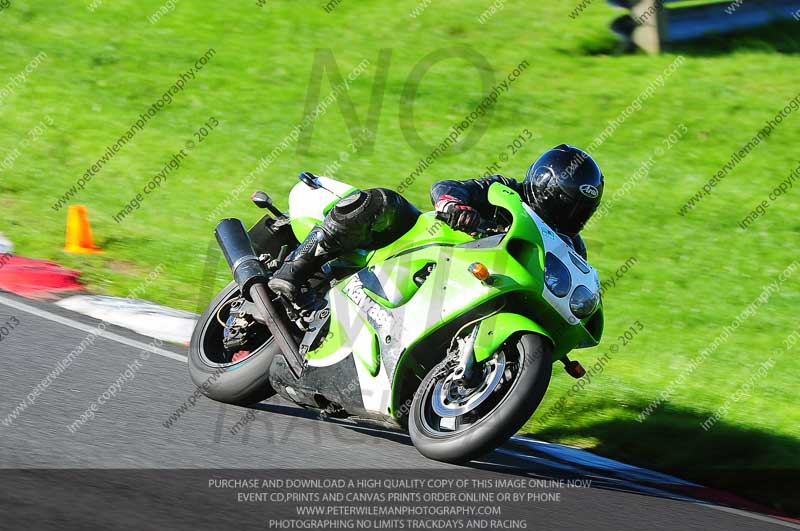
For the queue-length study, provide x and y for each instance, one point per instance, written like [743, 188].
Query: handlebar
[486, 227]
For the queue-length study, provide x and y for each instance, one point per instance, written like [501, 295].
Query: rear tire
[508, 415]
[241, 383]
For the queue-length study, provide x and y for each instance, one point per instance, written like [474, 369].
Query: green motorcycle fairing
[388, 314]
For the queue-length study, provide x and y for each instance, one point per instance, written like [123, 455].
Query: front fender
[495, 330]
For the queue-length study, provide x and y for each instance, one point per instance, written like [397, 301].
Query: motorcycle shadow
[519, 456]
[670, 442]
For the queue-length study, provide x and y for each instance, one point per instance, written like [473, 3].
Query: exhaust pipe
[251, 277]
[235, 243]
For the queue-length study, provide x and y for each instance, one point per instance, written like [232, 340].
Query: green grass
[694, 274]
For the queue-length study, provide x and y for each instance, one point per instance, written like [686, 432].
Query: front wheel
[452, 424]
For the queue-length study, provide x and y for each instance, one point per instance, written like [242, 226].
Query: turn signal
[574, 369]
[479, 271]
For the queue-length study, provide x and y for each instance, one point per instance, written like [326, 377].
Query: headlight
[556, 276]
[583, 302]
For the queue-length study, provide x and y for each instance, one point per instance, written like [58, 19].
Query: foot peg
[284, 288]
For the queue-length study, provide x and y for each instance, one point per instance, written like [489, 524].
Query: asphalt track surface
[128, 432]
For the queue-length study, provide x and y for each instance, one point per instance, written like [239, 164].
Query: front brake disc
[447, 401]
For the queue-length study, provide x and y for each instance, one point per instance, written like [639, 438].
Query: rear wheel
[241, 377]
[450, 423]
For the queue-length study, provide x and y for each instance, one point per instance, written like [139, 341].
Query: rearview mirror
[310, 180]
[261, 199]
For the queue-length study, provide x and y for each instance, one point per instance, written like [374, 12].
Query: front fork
[464, 370]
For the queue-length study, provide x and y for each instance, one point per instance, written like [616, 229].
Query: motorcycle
[449, 335]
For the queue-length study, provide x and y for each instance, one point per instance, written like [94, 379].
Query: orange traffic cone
[79, 233]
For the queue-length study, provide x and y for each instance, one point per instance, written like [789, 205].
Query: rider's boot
[307, 259]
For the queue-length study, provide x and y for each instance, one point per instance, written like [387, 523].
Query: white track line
[91, 329]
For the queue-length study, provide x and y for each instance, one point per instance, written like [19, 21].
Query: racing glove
[456, 214]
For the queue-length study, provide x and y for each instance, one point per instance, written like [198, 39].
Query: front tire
[239, 383]
[459, 439]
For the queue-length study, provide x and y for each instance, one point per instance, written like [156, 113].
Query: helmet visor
[574, 215]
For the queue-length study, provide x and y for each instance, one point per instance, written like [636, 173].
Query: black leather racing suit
[475, 193]
[375, 217]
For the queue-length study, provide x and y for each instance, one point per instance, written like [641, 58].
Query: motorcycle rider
[564, 187]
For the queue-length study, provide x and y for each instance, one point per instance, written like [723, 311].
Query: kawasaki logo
[376, 314]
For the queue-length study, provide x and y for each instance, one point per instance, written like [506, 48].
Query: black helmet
[564, 187]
